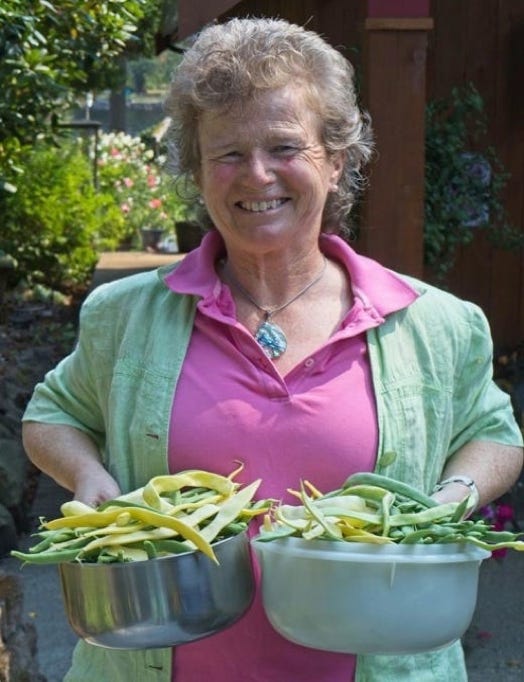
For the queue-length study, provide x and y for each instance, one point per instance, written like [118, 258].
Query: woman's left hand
[493, 467]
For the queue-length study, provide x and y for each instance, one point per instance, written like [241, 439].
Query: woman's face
[265, 174]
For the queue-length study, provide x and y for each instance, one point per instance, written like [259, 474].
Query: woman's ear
[196, 179]
[337, 168]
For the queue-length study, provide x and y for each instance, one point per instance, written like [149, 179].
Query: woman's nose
[258, 168]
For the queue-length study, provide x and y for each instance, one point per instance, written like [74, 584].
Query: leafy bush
[56, 223]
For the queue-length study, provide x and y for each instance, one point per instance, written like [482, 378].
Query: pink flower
[125, 208]
[151, 180]
[129, 182]
[484, 635]
[155, 203]
[504, 513]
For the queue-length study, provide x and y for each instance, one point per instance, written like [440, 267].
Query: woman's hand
[493, 467]
[71, 458]
[97, 488]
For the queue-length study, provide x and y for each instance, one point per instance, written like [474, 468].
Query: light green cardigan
[431, 366]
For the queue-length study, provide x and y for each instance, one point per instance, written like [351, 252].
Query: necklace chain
[269, 336]
[269, 312]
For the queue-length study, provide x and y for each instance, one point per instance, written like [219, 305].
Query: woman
[274, 343]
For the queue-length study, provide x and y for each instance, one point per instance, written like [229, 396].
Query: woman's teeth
[259, 206]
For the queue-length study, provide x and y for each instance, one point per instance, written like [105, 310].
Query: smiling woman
[275, 344]
[265, 175]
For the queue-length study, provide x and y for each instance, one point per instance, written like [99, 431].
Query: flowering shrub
[146, 194]
[501, 516]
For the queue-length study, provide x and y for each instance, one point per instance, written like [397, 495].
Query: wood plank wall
[340, 21]
[483, 42]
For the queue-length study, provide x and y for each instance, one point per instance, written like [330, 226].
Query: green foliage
[56, 224]
[147, 75]
[49, 49]
[463, 181]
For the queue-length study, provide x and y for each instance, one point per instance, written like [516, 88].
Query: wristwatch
[462, 480]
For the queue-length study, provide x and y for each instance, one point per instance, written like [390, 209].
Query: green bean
[47, 557]
[462, 509]
[332, 531]
[120, 503]
[151, 549]
[159, 547]
[394, 486]
[50, 538]
[441, 512]
[233, 528]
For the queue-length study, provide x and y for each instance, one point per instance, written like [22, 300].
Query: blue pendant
[271, 339]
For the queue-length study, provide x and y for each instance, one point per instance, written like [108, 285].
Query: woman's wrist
[456, 488]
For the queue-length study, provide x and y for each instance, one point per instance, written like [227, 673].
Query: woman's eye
[228, 157]
[284, 149]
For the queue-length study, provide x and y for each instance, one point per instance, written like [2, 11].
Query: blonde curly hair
[229, 63]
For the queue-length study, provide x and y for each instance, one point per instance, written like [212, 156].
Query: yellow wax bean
[113, 529]
[331, 529]
[75, 508]
[92, 518]
[188, 506]
[230, 510]
[186, 479]
[201, 514]
[315, 492]
[147, 516]
[128, 553]
[123, 519]
[136, 536]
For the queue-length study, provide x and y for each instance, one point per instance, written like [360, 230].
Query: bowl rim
[365, 552]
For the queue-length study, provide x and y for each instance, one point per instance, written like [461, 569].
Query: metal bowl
[369, 599]
[159, 602]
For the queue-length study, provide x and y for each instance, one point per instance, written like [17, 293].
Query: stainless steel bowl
[160, 602]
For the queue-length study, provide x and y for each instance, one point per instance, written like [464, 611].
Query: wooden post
[395, 95]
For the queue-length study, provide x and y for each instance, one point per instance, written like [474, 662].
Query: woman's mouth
[261, 206]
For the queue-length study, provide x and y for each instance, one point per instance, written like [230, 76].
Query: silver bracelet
[463, 480]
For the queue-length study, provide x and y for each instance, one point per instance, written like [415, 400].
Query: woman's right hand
[71, 458]
[96, 488]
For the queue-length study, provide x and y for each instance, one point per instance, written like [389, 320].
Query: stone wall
[33, 338]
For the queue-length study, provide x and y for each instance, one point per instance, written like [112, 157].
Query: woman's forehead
[286, 107]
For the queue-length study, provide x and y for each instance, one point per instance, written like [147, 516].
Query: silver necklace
[270, 336]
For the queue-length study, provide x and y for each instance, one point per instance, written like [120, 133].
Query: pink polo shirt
[318, 422]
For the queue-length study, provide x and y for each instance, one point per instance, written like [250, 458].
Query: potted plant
[188, 230]
[130, 171]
